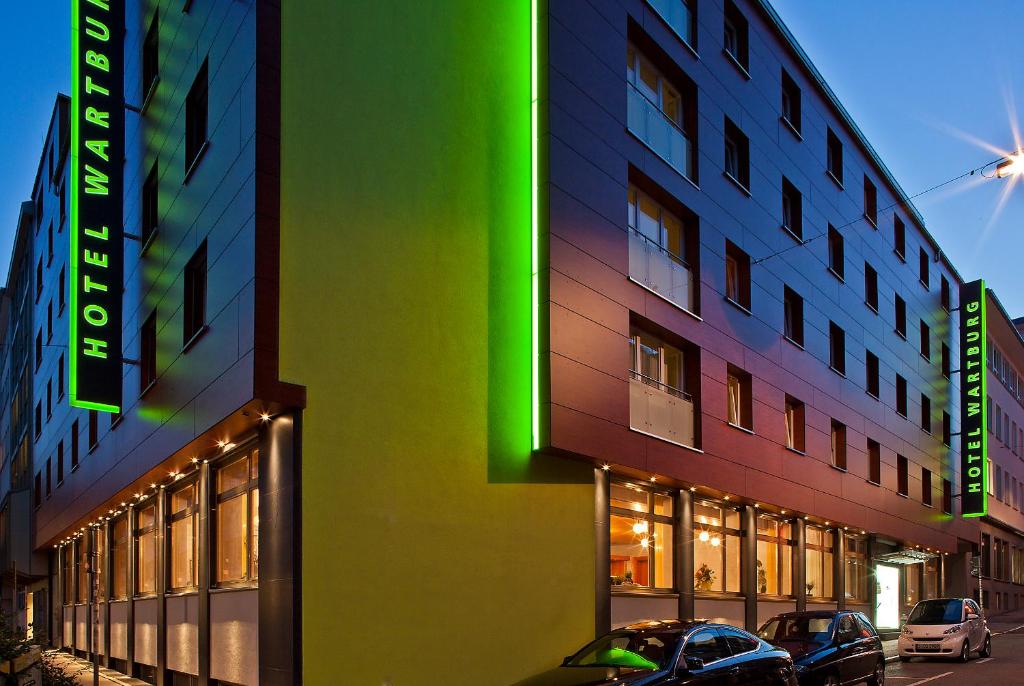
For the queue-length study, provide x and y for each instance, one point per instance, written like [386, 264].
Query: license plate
[928, 646]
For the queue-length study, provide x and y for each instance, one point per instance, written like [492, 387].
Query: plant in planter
[703, 578]
[810, 588]
[629, 577]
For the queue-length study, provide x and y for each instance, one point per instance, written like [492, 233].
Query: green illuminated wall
[435, 548]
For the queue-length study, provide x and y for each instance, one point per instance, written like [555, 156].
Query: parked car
[659, 653]
[945, 627]
[829, 647]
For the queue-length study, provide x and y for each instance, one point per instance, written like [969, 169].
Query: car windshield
[799, 633]
[625, 648]
[937, 612]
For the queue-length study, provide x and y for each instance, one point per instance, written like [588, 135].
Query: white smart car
[945, 627]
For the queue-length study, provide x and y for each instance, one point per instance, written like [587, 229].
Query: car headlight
[953, 630]
[907, 631]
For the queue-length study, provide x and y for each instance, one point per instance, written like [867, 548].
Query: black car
[829, 648]
[673, 653]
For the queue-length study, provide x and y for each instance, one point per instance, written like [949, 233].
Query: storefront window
[181, 530]
[237, 521]
[69, 573]
[931, 578]
[98, 557]
[856, 568]
[716, 548]
[82, 550]
[819, 562]
[641, 538]
[774, 556]
[119, 559]
[912, 585]
[145, 550]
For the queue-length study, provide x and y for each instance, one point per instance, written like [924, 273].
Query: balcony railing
[660, 410]
[654, 267]
[677, 15]
[648, 123]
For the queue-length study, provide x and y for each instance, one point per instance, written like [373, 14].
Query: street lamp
[1013, 165]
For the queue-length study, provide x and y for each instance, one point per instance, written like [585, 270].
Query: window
[902, 477]
[837, 348]
[82, 570]
[874, 462]
[74, 445]
[49, 478]
[150, 204]
[737, 155]
[871, 287]
[835, 157]
[901, 396]
[794, 424]
[707, 646]
[901, 316]
[60, 462]
[735, 37]
[39, 279]
[947, 370]
[922, 261]
[147, 358]
[870, 201]
[662, 366]
[39, 419]
[838, 433]
[660, 244]
[792, 209]
[774, 556]
[793, 313]
[151, 57]
[871, 373]
[38, 491]
[641, 538]
[649, 94]
[99, 554]
[195, 294]
[145, 550]
[61, 297]
[60, 378]
[926, 341]
[49, 399]
[62, 199]
[94, 429]
[836, 252]
[119, 559]
[237, 520]
[49, 321]
[926, 486]
[944, 294]
[819, 562]
[856, 558]
[39, 348]
[739, 398]
[717, 540]
[737, 275]
[195, 118]
[947, 428]
[790, 102]
[899, 238]
[947, 496]
[49, 244]
[183, 535]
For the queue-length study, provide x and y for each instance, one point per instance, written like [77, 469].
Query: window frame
[838, 441]
[836, 253]
[724, 531]
[834, 157]
[651, 518]
[172, 518]
[249, 452]
[137, 532]
[827, 570]
[795, 413]
[792, 316]
[196, 281]
[784, 546]
[791, 93]
[197, 110]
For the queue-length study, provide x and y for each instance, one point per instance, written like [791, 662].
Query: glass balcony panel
[660, 410]
[660, 271]
[658, 132]
[676, 14]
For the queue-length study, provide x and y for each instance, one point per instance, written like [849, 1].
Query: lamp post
[1013, 165]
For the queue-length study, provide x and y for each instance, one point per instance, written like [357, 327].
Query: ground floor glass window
[819, 562]
[641, 537]
[717, 541]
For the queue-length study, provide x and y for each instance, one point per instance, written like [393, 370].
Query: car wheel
[986, 648]
[878, 678]
[965, 651]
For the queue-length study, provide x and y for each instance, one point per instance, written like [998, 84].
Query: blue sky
[924, 79]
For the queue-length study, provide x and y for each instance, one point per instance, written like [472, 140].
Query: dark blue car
[830, 647]
[673, 653]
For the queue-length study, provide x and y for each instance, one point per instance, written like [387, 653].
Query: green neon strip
[73, 219]
[535, 219]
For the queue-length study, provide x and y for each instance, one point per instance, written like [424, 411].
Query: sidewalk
[82, 670]
[999, 624]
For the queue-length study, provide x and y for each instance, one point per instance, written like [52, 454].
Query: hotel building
[556, 314]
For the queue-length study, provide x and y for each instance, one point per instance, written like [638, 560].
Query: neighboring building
[582, 342]
[1002, 529]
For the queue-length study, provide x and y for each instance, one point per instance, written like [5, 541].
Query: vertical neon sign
[535, 217]
[973, 400]
[96, 213]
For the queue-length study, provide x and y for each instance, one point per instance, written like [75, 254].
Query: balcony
[660, 410]
[660, 271]
[659, 133]
[677, 15]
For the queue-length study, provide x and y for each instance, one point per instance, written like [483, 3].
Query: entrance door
[887, 602]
